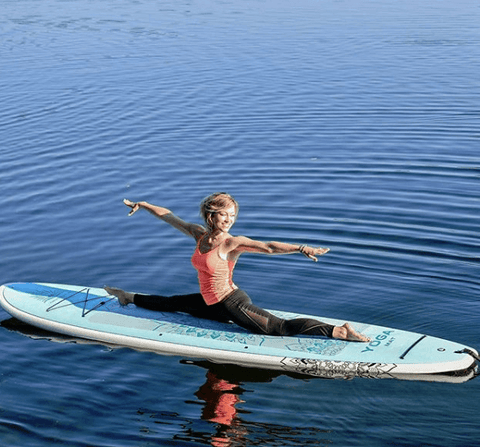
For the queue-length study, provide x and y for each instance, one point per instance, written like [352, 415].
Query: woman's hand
[312, 252]
[133, 205]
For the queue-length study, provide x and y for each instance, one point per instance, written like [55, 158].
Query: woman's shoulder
[231, 239]
[237, 241]
[197, 231]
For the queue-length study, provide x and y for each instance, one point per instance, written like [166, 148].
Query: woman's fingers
[135, 207]
[318, 252]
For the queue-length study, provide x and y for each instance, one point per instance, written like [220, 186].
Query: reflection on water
[222, 396]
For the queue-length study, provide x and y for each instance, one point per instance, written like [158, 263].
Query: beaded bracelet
[301, 249]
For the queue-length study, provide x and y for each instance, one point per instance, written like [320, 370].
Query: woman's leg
[238, 308]
[177, 303]
[258, 320]
[192, 304]
[308, 326]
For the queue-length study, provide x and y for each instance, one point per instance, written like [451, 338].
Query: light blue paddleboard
[90, 313]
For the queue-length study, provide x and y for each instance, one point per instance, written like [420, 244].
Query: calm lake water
[347, 124]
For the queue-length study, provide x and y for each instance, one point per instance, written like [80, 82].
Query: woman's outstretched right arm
[190, 229]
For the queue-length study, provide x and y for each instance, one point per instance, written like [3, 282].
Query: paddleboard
[91, 313]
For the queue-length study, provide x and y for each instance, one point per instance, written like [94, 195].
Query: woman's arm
[237, 245]
[193, 230]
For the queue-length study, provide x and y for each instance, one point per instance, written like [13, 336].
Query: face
[224, 219]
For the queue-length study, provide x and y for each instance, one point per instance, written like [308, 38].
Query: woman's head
[215, 203]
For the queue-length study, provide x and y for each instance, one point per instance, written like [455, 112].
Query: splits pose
[215, 256]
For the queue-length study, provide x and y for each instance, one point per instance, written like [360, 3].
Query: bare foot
[124, 298]
[347, 332]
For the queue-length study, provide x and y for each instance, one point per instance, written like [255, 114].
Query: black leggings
[238, 308]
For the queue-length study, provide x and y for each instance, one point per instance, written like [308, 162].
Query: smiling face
[224, 219]
[219, 211]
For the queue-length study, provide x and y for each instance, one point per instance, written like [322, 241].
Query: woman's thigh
[249, 316]
[193, 304]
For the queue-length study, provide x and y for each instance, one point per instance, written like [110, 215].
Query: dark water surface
[347, 124]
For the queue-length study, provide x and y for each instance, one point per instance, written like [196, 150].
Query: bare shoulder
[197, 231]
[236, 241]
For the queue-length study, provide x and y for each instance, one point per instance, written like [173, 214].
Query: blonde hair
[213, 204]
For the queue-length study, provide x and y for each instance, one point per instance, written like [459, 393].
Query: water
[352, 125]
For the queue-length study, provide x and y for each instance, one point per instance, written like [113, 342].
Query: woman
[214, 259]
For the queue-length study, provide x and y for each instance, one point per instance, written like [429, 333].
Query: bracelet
[301, 249]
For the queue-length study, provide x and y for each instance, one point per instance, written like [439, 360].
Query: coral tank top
[214, 275]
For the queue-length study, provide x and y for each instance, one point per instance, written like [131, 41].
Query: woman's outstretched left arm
[241, 244]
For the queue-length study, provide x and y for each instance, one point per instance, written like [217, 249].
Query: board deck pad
[91, 313]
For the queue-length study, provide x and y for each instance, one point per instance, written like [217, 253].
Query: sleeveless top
[214, 275]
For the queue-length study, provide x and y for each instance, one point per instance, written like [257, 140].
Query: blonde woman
[214, 258]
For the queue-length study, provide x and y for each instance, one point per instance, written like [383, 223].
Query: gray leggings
[238, 308]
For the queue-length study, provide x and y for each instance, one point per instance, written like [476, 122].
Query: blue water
[347, 124]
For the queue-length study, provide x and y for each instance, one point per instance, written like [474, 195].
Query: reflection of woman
[214, 258]
[220, 397]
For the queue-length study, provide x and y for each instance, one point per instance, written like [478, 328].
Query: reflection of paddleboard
[92, 314]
